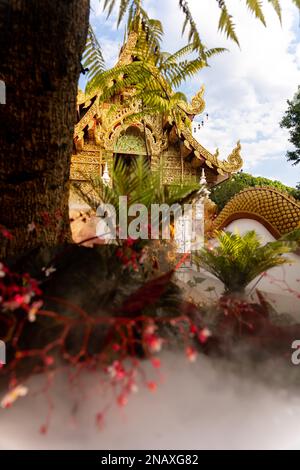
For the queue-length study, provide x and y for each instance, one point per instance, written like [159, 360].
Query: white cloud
[247, 88]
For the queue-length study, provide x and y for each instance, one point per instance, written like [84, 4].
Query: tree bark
[41, 43]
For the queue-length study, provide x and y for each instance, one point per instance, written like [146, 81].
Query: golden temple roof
[234, 161]
[127, 49]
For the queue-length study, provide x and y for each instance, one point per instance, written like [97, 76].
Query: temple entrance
[129, 160]
[130, 146]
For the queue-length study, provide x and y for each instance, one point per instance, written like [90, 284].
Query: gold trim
[127, 49]
[233, 163]
[274, 209]
[197, 105]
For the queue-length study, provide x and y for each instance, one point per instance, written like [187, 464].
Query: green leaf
[256, 7]
[226, 24]
[277, 7]
[92, 56]
[238, 259]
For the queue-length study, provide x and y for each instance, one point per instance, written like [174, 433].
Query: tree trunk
[41, 43]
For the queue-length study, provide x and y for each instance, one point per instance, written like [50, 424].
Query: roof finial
[203, 180]
[105, 177]
[204, 191]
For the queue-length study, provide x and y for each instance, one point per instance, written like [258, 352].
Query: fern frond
[193, 34]
[277, 7]
[122, 10]
[226, 23]
[109, 6]
[255, 6]
[173, 58]
[214, 51]
[92, 56]
[140, 185]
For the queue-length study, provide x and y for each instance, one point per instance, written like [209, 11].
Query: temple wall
[91, 159]
[172, 169]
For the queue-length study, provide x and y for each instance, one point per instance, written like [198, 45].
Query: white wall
[288, 276]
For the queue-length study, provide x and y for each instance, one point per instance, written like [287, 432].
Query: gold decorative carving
[127, 50]
[233, 163]
[80, 97]
[277, 211]
[151, 126]
[85, 99]
[87, 118]
[197, 105]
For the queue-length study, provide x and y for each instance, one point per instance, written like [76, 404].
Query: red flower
[6, 233]
[43, 429]
[193, 329]
[156, 362]
[99, 420]
[203, 335]
[152, 386]
[116, 370]
[122, 400]
[154, 343]
[191, 354]
[130, 241]
[49, 360]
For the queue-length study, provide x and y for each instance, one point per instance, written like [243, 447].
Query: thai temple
[103, 136]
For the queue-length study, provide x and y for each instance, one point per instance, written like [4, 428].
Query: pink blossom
[152, 386]
[133, 388]
[156, 362]
[34, 309]
[13, 395]
[150, 329]
[191, 354]
[154, 343]
[116, 371]
[2, 271]
[203, 335]
[49, 271]
[122, 400]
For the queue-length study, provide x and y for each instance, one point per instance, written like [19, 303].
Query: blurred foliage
[222, 193]
[291, 121]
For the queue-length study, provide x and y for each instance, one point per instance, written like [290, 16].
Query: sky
[246, 88]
